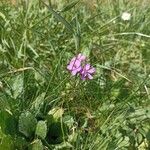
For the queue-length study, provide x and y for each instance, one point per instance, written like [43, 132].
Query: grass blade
[60, 18]
[69, 6]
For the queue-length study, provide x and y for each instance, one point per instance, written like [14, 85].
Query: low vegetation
[43, 106]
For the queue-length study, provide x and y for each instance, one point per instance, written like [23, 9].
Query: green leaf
[73, 137]
[63, 145]
[17, 86]
[38, 103]
[3, 16]
[8, 122]
[86, 51]
[58, 132]
[41, 129]
[33, 51]
[36, 145]
[20, 143]
[60, 18]
[123, 142]
[6, 142]
[70, 5]
[140, 138]
[49, 119]
[27, 124]
[56, 113]
[148, 135]
[39, 77]
[68, 120]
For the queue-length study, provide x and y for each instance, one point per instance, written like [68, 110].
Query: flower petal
[91, 71]
[89, 76]
[87, 66]
[74, 72]
[81, 57]
[69, 67]
[77, 63]
[73, 59]
[79, 69]
[83, 78]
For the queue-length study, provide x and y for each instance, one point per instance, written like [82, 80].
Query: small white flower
[125, 16]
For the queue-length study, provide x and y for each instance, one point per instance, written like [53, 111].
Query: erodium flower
[87, 72]
[75, 64]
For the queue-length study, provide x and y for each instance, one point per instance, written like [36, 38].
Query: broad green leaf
[56, 113]
[38, 103]
[8, 122]
[68, 120]
[39, 77]
[144, 145]
[17, 86]
[139, 137]
[49, 119]
[36, 145]
[41, 129]
[122, 142]
[27, 124]
[20, 143]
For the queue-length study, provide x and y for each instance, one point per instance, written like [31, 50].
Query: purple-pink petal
[91, 71]
[83, 78]
[77, 63]
[81, 57]
[89, 76]
[75, 66]
[73, 59]
[69, 67]
[74, 72]
[79, 69]
[87, 72]
[87, 67]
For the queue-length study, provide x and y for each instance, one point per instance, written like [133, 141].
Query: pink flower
[75, 64]
[81, 57]
[87, 72]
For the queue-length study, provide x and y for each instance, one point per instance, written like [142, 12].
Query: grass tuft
[43, 107]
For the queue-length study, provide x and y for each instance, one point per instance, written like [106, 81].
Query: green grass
[43, 107]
